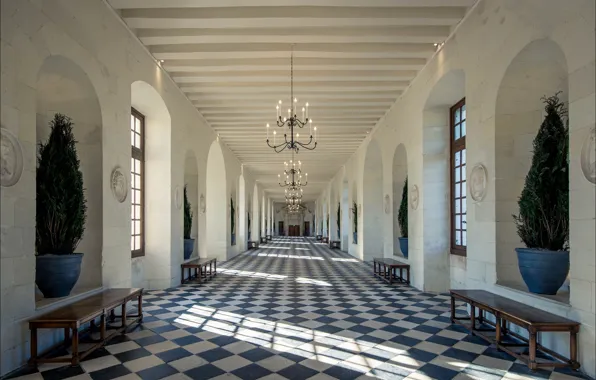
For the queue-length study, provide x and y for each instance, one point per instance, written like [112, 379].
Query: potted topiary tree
[543, 220]
[402, 218]
[189, 243]
[61, 211]
[233, 221]
[355, 212]
[248, 224]
[338, 220]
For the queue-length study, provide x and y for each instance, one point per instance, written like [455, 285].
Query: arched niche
[346, 227]
[255, 226]
[372, 212]
[241, 215]
[191, 181]
[356, 225]
[63, 87]
[434, 191]
[539, 69]
[217, 204]
[153, 270]
[400, 173]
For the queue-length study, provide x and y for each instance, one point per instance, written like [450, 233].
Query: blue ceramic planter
[355, 237]
[403, 245]
[189, 246]
[543, 271]
[233, 239]
[56, 275]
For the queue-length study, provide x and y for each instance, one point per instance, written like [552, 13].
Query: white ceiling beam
[273, 96]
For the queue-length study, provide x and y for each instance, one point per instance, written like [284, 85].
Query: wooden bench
[334, 244]
[325, 239]
[532, 319]
[269, 238]
[386, 269]
[253, 244]
[72, 317]
[200, 265]
[264, 239]
[319, 237]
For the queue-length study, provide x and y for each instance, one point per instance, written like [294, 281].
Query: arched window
[137, 172]
[458, 178]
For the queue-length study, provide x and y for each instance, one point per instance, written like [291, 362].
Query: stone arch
[217, 204]
[191, 181]
[372, 207]
[400, 173]
[64, 87]
[435, 186]
[154, 269]
[241, 212]
[539, 69]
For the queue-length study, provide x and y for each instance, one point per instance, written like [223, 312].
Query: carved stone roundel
[414, 197]
[387, 204]
[478, 182]
[588, 156]
[11, 159]
[178, 198]
[118, 184]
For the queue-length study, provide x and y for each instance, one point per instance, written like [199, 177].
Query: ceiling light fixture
[293, 184]
[292, 121]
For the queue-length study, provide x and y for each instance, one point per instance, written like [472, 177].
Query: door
[306, 228]
[280, 229]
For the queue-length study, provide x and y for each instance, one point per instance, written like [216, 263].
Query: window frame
[139, 154]
[454, 147]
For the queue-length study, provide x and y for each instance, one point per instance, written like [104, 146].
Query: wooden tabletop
[390, 262]
[199, 261]
[528, 314]
[89, 307]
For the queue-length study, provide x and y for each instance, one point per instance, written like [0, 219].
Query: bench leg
[573, 348]
[102, 328]
[75, 346]
[181, 276]
[140, 307]
[473, 317]
[33, 359]
[497, 330]
[452, 309]
[124, 318]
[215, 268]
[532, 351]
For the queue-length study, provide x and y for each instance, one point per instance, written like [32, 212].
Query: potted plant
[61, 211]
[189, 243]
[402, 218]
[543, 220]
[355, 212]
[338, 220]
[248, 225]
[233, 221]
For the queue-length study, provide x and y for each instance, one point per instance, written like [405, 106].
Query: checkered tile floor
[294, 309]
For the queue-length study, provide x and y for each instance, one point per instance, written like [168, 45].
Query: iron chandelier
[292, 122]
[293, 177]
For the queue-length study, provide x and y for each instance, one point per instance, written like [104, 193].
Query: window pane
[132, 212]
[132, 138]
[464, 235]
[132, 165]
[463, 128]
[463, 173]
[458, 222]
[132, 228]
[457, 237]
[464, 205]
[463, 189]
[456, 190]
[138, 126]
[137, 195]
[137, 227]
[457, 132]
[464, 223]
[457, 174]
[132, 243]
[137, 211]
[457, 206]
[137, 242]
[132, 123]
[463, 112]
[457, 158]
[463, 156]
[457, 116]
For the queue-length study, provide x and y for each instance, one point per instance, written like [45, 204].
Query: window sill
[561, 299]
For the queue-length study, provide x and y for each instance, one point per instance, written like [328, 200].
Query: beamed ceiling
[353, 58]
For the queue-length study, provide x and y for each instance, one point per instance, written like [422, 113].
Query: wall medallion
[414, 197]
[387, 204]
[588, 156]
[178, 197]
[478, 182]
[118, 184]
[202, 203]
[11, 159]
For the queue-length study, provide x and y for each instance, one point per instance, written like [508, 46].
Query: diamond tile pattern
[291, 310]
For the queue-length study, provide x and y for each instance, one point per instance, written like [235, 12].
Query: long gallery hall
[298, 189]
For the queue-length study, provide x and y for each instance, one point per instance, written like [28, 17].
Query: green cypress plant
[232, 215]
[402, 214]
[338, 215]
[543, 220]
[60, 196]
[187, 216]
[355, 212]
